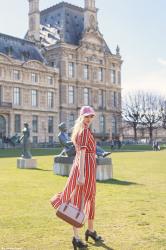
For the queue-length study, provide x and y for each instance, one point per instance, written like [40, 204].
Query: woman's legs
[90, 225]
[76, 234]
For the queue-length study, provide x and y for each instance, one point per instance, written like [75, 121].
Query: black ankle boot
[78, 243]
[93, 235]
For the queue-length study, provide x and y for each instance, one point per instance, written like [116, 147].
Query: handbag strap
[72, 198]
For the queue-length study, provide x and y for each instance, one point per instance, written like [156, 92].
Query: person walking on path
[82, 175]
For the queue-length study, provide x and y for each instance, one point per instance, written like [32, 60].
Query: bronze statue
[26, 142]
[68, 146]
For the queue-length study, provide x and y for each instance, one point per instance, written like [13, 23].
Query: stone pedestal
[62, 166]
[26, 163]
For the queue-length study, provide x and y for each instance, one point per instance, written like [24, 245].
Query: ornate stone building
[29, 90]
[69, 39]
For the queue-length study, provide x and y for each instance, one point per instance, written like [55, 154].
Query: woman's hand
[81, 181]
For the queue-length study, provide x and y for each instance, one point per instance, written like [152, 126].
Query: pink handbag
[72, 214]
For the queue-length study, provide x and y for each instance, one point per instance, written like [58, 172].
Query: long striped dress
[84, 141]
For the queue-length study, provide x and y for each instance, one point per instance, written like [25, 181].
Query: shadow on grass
[40, 169]
[101, 244]
[118, 182]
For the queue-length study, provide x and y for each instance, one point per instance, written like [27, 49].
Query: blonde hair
[77, 129]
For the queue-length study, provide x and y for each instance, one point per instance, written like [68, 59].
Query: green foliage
[130, 209]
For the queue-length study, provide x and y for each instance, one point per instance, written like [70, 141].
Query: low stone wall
[62, 166]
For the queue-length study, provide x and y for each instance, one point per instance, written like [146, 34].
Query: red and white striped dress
[83, 141]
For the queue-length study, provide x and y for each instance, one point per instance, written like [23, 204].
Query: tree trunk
[135, 132]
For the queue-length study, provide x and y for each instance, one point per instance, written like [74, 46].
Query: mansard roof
[68, 18]
[19, 49]
[65, 20]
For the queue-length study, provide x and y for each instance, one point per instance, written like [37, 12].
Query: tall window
[113, 76]
[16, 75]
[114, 126]
[35, 123]
[86, 72]
[100, 74]
[114, 99]
[86, 96]
[16, 96]
[71, 95]
[34, 77]
[17, 123]
[50, 80]
[119, 77]
[101, 98]
[71, 120]
[34, 98]
[71, 69]
[50, 124]
[102, 123]
[50, 100]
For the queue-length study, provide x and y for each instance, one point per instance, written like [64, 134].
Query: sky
[137, 26]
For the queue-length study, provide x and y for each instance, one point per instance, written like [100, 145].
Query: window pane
[17, 123]
[35, 139]
[16, 74]
[102, 124]
[86, 72]
[50, 80]
[16, 97]
[71, 120]
[34, 98]
[114, 126]
[71, 95]
[34, 77]
[113, 76]
[50, 100]
[50, 139]
[86, 96]
[50, 124]
[71, 69]
[35, 123]
[119, 77]
[100, 73]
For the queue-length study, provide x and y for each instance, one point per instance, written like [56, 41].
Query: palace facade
[63, 63]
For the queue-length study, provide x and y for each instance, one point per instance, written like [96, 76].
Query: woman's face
[88, 119]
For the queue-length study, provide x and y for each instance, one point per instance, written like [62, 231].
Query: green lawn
[130, 209]
[52, 151]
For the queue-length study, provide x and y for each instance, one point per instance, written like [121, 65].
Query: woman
[82, 175]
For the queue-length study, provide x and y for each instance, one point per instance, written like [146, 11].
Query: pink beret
[87, 110]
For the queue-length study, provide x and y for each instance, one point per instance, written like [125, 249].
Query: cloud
[162, 61]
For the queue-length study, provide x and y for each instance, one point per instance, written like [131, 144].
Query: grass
[130, 209]
[15, 152]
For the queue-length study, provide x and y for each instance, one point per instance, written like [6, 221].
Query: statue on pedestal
[26, 154]
[68, 146]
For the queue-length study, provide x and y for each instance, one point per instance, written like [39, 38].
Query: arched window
[2, 126]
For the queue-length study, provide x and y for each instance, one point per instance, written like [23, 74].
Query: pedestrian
[82, 175]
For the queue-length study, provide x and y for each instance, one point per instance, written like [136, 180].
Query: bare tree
[131, 110]
[151, 108]
[164, 114]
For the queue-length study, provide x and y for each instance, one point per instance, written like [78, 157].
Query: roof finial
[117, 50]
